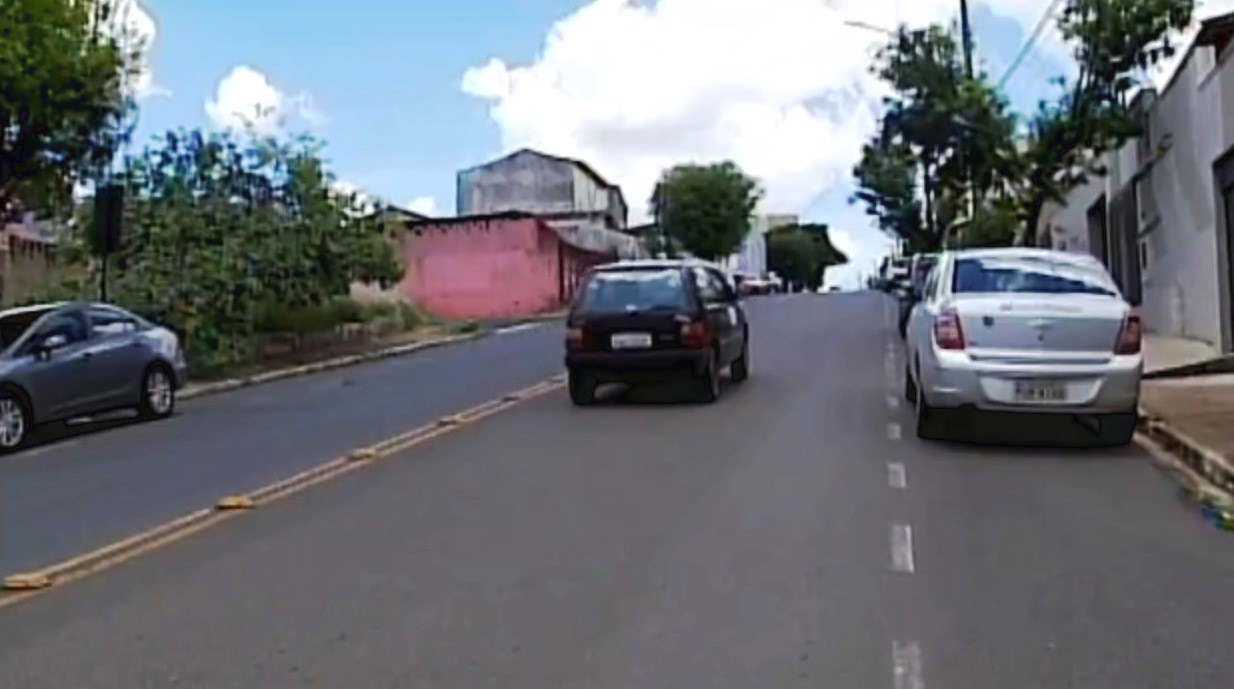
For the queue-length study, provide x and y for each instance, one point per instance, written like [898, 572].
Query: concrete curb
[1204, 474]
[194, 391]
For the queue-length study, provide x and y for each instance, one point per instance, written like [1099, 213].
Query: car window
[638, 289]
[70, 323]
[13, 326]
[931, 286]
[709, 289]
[719, 286]
[922, 269]
[1031, 275]
[105, 321]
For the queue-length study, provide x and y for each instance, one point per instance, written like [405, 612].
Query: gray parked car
[61, 361]
[1031, 331]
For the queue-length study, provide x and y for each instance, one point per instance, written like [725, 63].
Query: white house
[1162, 218]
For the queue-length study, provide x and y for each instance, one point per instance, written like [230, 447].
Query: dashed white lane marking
[893, 431]
[906, 665]
[518, 328]
[902, 548]
[893, 402]
[897, 475]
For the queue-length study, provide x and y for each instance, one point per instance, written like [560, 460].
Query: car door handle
[85, 356]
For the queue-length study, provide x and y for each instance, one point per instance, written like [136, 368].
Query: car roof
[657, 264]
[1029, 253]
[19, 310]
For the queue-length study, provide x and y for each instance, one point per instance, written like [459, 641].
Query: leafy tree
[63, 105]
[801, 254]
[219, 232]
[706, 209]
[1113, 43]
[942, 137]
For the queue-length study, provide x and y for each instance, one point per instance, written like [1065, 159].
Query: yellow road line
[25, 585]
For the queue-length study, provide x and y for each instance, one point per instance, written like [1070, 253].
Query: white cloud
[780, 86]
[424, 205]
[135, 29]
[247, 99]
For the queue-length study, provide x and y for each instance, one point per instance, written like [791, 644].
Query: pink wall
[483, 268]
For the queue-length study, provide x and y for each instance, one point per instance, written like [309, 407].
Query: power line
[1032, 40]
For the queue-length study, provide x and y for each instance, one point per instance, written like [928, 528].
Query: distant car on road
[66, 360]
[636, 321]
[918, 271]
[1024, 330]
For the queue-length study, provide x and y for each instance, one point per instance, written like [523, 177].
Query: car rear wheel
[14, 423]
[740, 369]
[158, 393]
[1118, 429]
[709, 384]
[929, 419]
[582, 388]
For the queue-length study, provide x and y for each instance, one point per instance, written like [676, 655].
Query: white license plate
[1040, 391]
[631, 341]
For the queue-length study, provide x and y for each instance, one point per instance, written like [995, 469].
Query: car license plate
[632, 341]
[1040, 391]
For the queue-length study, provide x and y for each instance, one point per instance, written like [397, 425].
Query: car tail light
[695, 335]
[1131, 336]
[947, 331]
[574, 338]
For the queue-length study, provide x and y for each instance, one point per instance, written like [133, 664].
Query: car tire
[15, 425]
[158, 393]
[740, 369]
[582, 388]
[1118, 429]
[708, 385]
[930, 421]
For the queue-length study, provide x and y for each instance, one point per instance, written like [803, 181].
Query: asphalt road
[795, 534]
[106, 482]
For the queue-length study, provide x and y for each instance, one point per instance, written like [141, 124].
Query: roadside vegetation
[951, 165]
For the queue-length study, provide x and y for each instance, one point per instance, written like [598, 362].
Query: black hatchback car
[644, 321]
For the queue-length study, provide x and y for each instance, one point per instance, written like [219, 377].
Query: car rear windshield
[1029, 275]
[635, 290]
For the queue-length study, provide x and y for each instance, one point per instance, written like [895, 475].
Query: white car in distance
[1023, 330]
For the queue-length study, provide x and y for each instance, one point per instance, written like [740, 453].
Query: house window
[1143, 254]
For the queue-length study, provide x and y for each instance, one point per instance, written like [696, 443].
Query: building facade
[566, 193]
[491, 266]
[27, 258]
[1161, 219]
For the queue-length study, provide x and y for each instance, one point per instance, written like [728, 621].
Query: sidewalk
[1192, 418]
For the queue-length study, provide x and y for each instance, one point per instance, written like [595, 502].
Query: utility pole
[966, 32]
[966, 37]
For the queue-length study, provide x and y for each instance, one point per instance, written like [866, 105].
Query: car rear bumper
[649, 362]
[954, 380]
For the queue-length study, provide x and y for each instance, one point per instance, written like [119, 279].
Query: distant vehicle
[919, 270]
[636, 321]
[896, 274]
[65, 360]
[1024, 330]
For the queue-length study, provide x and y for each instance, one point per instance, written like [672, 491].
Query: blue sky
[382, 81]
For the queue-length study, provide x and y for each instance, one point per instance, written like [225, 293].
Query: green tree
[802, 253]
[1113, 43]
[64, 102]
[706, 209]
[221, 231]
[943, 138]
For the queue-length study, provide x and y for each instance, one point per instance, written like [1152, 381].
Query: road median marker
[27, 584]
[236, 502]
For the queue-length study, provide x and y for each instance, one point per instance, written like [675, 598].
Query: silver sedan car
[1023, 330]
[61, 361]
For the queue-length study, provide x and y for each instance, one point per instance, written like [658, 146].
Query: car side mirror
[50, 344]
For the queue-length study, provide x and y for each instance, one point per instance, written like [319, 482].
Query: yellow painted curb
[236, 502]
[449, 420]
[363, 455]
[26, 582]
